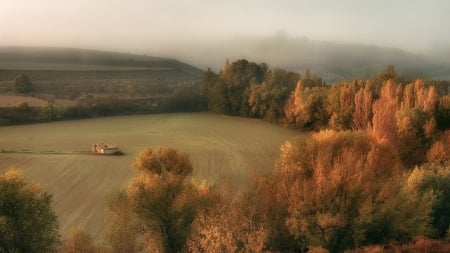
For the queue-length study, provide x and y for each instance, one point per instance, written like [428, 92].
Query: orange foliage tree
[341, 187]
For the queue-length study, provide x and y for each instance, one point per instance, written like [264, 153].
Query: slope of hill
[88, 57]
[69, 73]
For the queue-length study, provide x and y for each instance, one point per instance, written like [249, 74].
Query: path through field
[220, 148]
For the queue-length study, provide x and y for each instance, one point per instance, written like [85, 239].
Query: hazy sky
[141, 26]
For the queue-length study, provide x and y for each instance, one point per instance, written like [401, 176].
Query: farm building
[105, 149]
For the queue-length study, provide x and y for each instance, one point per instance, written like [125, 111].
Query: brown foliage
[440, 150]
[230, 226]
[418, 245]
[79, 241]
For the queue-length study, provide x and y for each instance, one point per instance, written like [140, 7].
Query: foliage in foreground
[336, 190]
[27, 223]
[156, 212]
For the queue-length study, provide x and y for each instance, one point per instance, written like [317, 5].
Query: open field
[220, 147]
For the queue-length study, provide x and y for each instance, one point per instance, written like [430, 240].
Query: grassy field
[220, 147]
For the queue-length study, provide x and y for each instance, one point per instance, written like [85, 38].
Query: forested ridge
[373, 175]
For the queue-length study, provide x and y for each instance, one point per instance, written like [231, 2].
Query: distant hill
[74, 56]
[333, 60]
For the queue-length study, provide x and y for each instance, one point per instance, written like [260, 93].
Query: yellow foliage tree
[159, 206]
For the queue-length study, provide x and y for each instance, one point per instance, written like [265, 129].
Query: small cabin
[105, 149]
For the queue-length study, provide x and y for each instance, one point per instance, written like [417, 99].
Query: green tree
[52, 112]
[23, 107]
[27, 223]
[389, 74]
[267, 99]
[413, 140]
[443, 113]
[237, 77]
[437, 179]
[22, 84]
[185, 98]
[342, 105]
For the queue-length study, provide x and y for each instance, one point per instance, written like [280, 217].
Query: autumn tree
[231, 225]
[122, 233]
[362, 118]
[306, 107]
[272, 208]
[27, 222]
[440, 150]
[156, 213]
[79, 241]
[384, 121]
[342, 189]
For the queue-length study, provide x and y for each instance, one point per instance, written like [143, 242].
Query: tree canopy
[27, 222]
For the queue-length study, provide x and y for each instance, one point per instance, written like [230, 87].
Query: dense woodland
[373, 175]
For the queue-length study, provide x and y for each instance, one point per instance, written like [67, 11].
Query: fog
[286, 33]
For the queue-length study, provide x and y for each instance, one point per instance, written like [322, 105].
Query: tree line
[409, 114]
